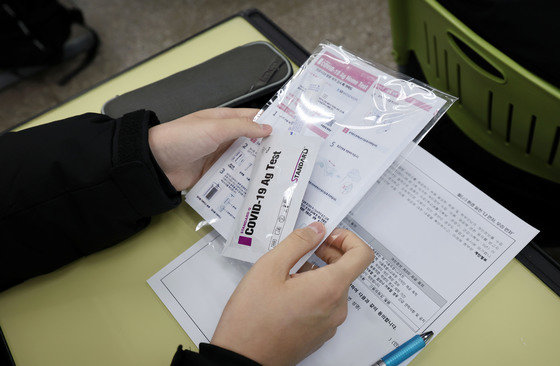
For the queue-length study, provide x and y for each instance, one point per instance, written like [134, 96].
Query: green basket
[505, 109]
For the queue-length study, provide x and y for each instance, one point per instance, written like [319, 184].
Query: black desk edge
[542, 265]
[5, 354]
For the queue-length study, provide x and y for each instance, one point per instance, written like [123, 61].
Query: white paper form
[366, 118]
[438, 242]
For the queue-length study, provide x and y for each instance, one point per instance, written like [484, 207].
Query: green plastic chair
[504, 108]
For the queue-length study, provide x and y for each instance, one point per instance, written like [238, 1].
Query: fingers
[356, 255]
[221, 113]
[328, 253]
[231, 128]
[296, 245]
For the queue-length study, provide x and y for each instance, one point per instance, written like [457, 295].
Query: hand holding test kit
[366, 117]
[456, 238]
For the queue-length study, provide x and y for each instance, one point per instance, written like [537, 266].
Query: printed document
[438, 241]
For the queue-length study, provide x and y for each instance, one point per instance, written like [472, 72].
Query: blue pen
[405, 350]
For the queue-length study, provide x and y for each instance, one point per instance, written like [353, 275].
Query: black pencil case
[232, 79]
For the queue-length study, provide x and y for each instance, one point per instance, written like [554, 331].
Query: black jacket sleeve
[210, 355]
[76, 186]
[73, 187]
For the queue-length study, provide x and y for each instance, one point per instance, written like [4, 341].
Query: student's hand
[279, 319]
[188, 146]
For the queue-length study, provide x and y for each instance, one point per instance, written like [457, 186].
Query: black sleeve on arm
[210, 355]
[73, 187]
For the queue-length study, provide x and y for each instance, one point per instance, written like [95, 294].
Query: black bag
[247, 76]
[34, 35]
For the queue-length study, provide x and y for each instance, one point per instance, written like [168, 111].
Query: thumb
[231, 128]
[296, 245]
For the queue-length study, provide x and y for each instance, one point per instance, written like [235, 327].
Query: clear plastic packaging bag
[368, 116]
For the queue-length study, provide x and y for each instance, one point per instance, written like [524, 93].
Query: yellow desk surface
[99, 310]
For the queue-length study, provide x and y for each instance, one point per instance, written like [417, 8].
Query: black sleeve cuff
[135, 170]
[210, 355]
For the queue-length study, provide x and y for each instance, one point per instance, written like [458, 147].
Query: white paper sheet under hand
[438, 242]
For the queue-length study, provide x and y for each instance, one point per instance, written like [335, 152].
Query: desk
[99, 310]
